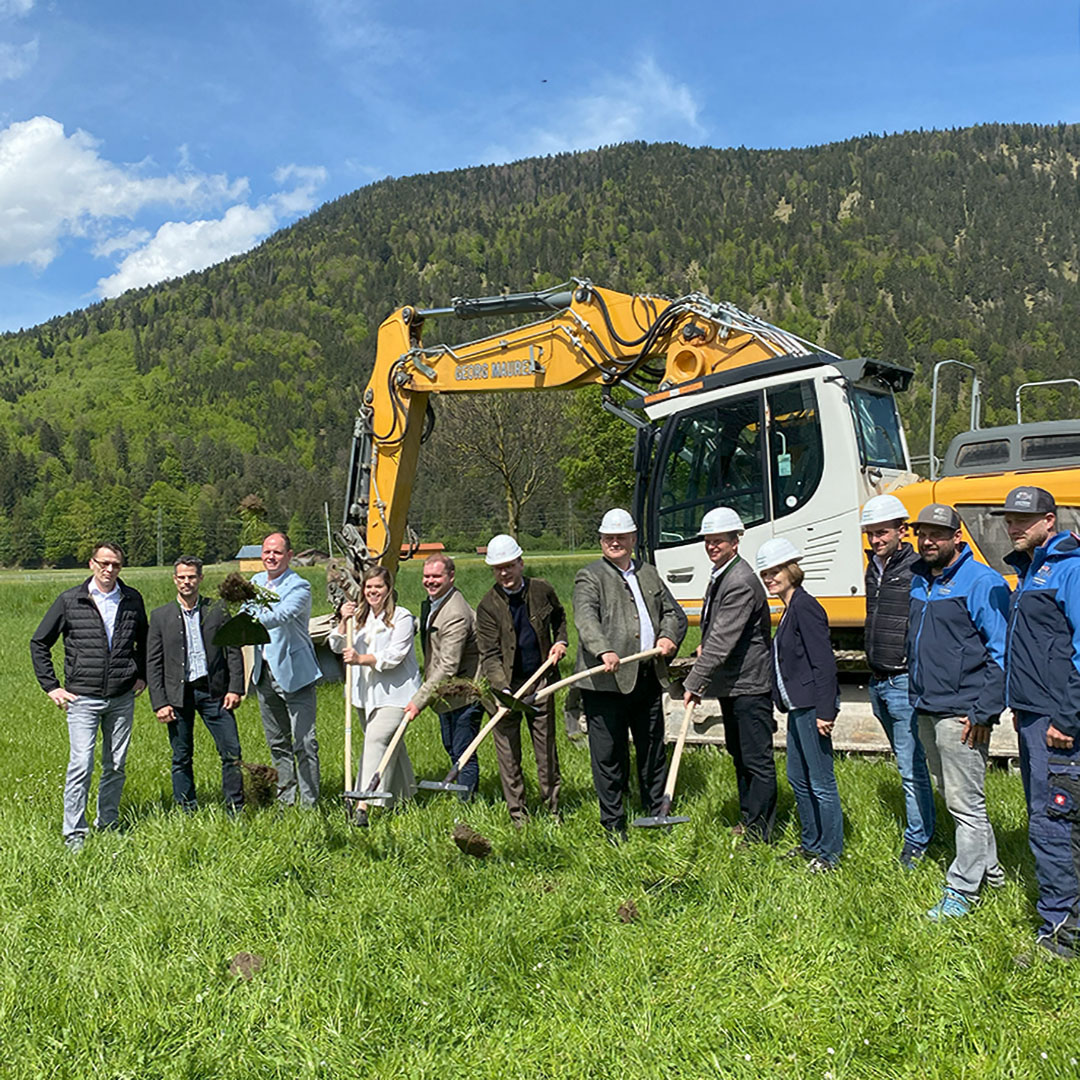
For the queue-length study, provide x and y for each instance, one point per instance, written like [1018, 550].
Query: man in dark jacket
[103, 623]
[622, 607]
[888, 600]
[520, 624]
[956, 652]
[188, 674]
[1042, 686]
[733, 665]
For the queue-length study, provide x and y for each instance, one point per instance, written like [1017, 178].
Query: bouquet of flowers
[241, 596]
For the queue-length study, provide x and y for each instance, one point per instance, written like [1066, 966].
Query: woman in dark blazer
[805, 687]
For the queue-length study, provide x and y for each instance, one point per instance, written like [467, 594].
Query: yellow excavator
[729, 410]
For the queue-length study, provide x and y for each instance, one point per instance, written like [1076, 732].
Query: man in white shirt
[103, 623]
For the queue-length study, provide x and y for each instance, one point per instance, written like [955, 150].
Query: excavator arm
[588, 335]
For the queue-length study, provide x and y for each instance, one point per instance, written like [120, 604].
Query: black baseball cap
[1027, 500]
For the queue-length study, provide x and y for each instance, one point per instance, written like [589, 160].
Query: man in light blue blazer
[285, 673]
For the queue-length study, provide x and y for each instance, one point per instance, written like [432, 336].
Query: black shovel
[449, 782]
[664, 817]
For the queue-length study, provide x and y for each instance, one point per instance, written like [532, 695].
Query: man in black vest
[103, 622]
[888, 601]
[733, 664]
[188, 674]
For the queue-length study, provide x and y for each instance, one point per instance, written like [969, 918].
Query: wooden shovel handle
[570, 679]
[388, 754]
[676, 757]
[350, 634]
[499, 714]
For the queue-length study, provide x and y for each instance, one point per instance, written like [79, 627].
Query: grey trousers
[288, 720]
[959, 771]
[380, 726]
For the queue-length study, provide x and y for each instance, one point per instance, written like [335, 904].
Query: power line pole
[160, 546]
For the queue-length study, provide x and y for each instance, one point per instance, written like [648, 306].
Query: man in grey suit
[621, 607]
[733, 664]
[448, 637]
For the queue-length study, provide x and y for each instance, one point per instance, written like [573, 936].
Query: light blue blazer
[290, 653]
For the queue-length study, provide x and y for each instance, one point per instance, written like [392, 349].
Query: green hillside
[243, 379]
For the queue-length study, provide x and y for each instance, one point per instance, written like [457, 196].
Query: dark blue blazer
[807, 664]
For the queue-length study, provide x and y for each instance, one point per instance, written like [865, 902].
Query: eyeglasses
[106, 565]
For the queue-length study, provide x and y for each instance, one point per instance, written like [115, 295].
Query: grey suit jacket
[450, 651]
[735, 638]
[606, 618]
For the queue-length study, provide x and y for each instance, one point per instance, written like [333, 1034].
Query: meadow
[388, 953]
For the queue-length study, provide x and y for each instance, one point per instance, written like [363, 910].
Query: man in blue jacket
[956, 659]
[1042, 687]
[285, 673]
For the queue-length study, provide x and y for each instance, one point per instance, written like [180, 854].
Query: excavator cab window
[879, 429]
[796, 460]
[711, 457]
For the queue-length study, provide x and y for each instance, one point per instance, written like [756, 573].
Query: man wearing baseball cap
[520, 624]
[622, 607]
[1042, 687]
[733, 665]
[888, 598]
[956, 655]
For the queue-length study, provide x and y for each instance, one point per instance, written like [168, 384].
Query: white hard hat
[617, 521]
[721, 520]
[882, 508]
[776, 552]
[502, 549]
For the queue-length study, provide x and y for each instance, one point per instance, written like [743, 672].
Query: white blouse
[396, 674]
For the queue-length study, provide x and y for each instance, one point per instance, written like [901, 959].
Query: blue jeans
[892, 706]
[114, 716]
[222, 726]
[1054, 840]
[459, 727]
[813, 782]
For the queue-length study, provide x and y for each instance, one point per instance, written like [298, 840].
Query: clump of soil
[260, 784]
[470, 841]
[244, 965]
[628, 911]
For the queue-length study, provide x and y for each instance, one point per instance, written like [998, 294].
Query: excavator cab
[795, 454]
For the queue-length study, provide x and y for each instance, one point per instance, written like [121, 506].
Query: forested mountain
[242, 380]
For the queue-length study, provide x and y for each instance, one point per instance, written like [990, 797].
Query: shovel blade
[368, 796]
[659, 821]
[521, 706]
[441, 785]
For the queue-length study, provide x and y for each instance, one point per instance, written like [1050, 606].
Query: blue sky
[140, 140]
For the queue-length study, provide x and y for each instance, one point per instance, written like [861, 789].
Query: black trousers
[613, 719]
[748, 734]
[222, 726]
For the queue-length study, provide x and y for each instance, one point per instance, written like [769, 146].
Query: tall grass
[388, 953]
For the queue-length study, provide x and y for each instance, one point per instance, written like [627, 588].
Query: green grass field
[388, 953]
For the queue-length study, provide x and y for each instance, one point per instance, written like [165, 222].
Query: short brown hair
[443, 558]
[795, 572]
[189, 560]
[111, 546]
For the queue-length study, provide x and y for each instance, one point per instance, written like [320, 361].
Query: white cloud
[54, 186]
[179, 247]
[647, 104]
[15, 7]
[350, 26]
[17, 60]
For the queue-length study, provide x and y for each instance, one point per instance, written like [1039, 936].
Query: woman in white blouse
[387, 677]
